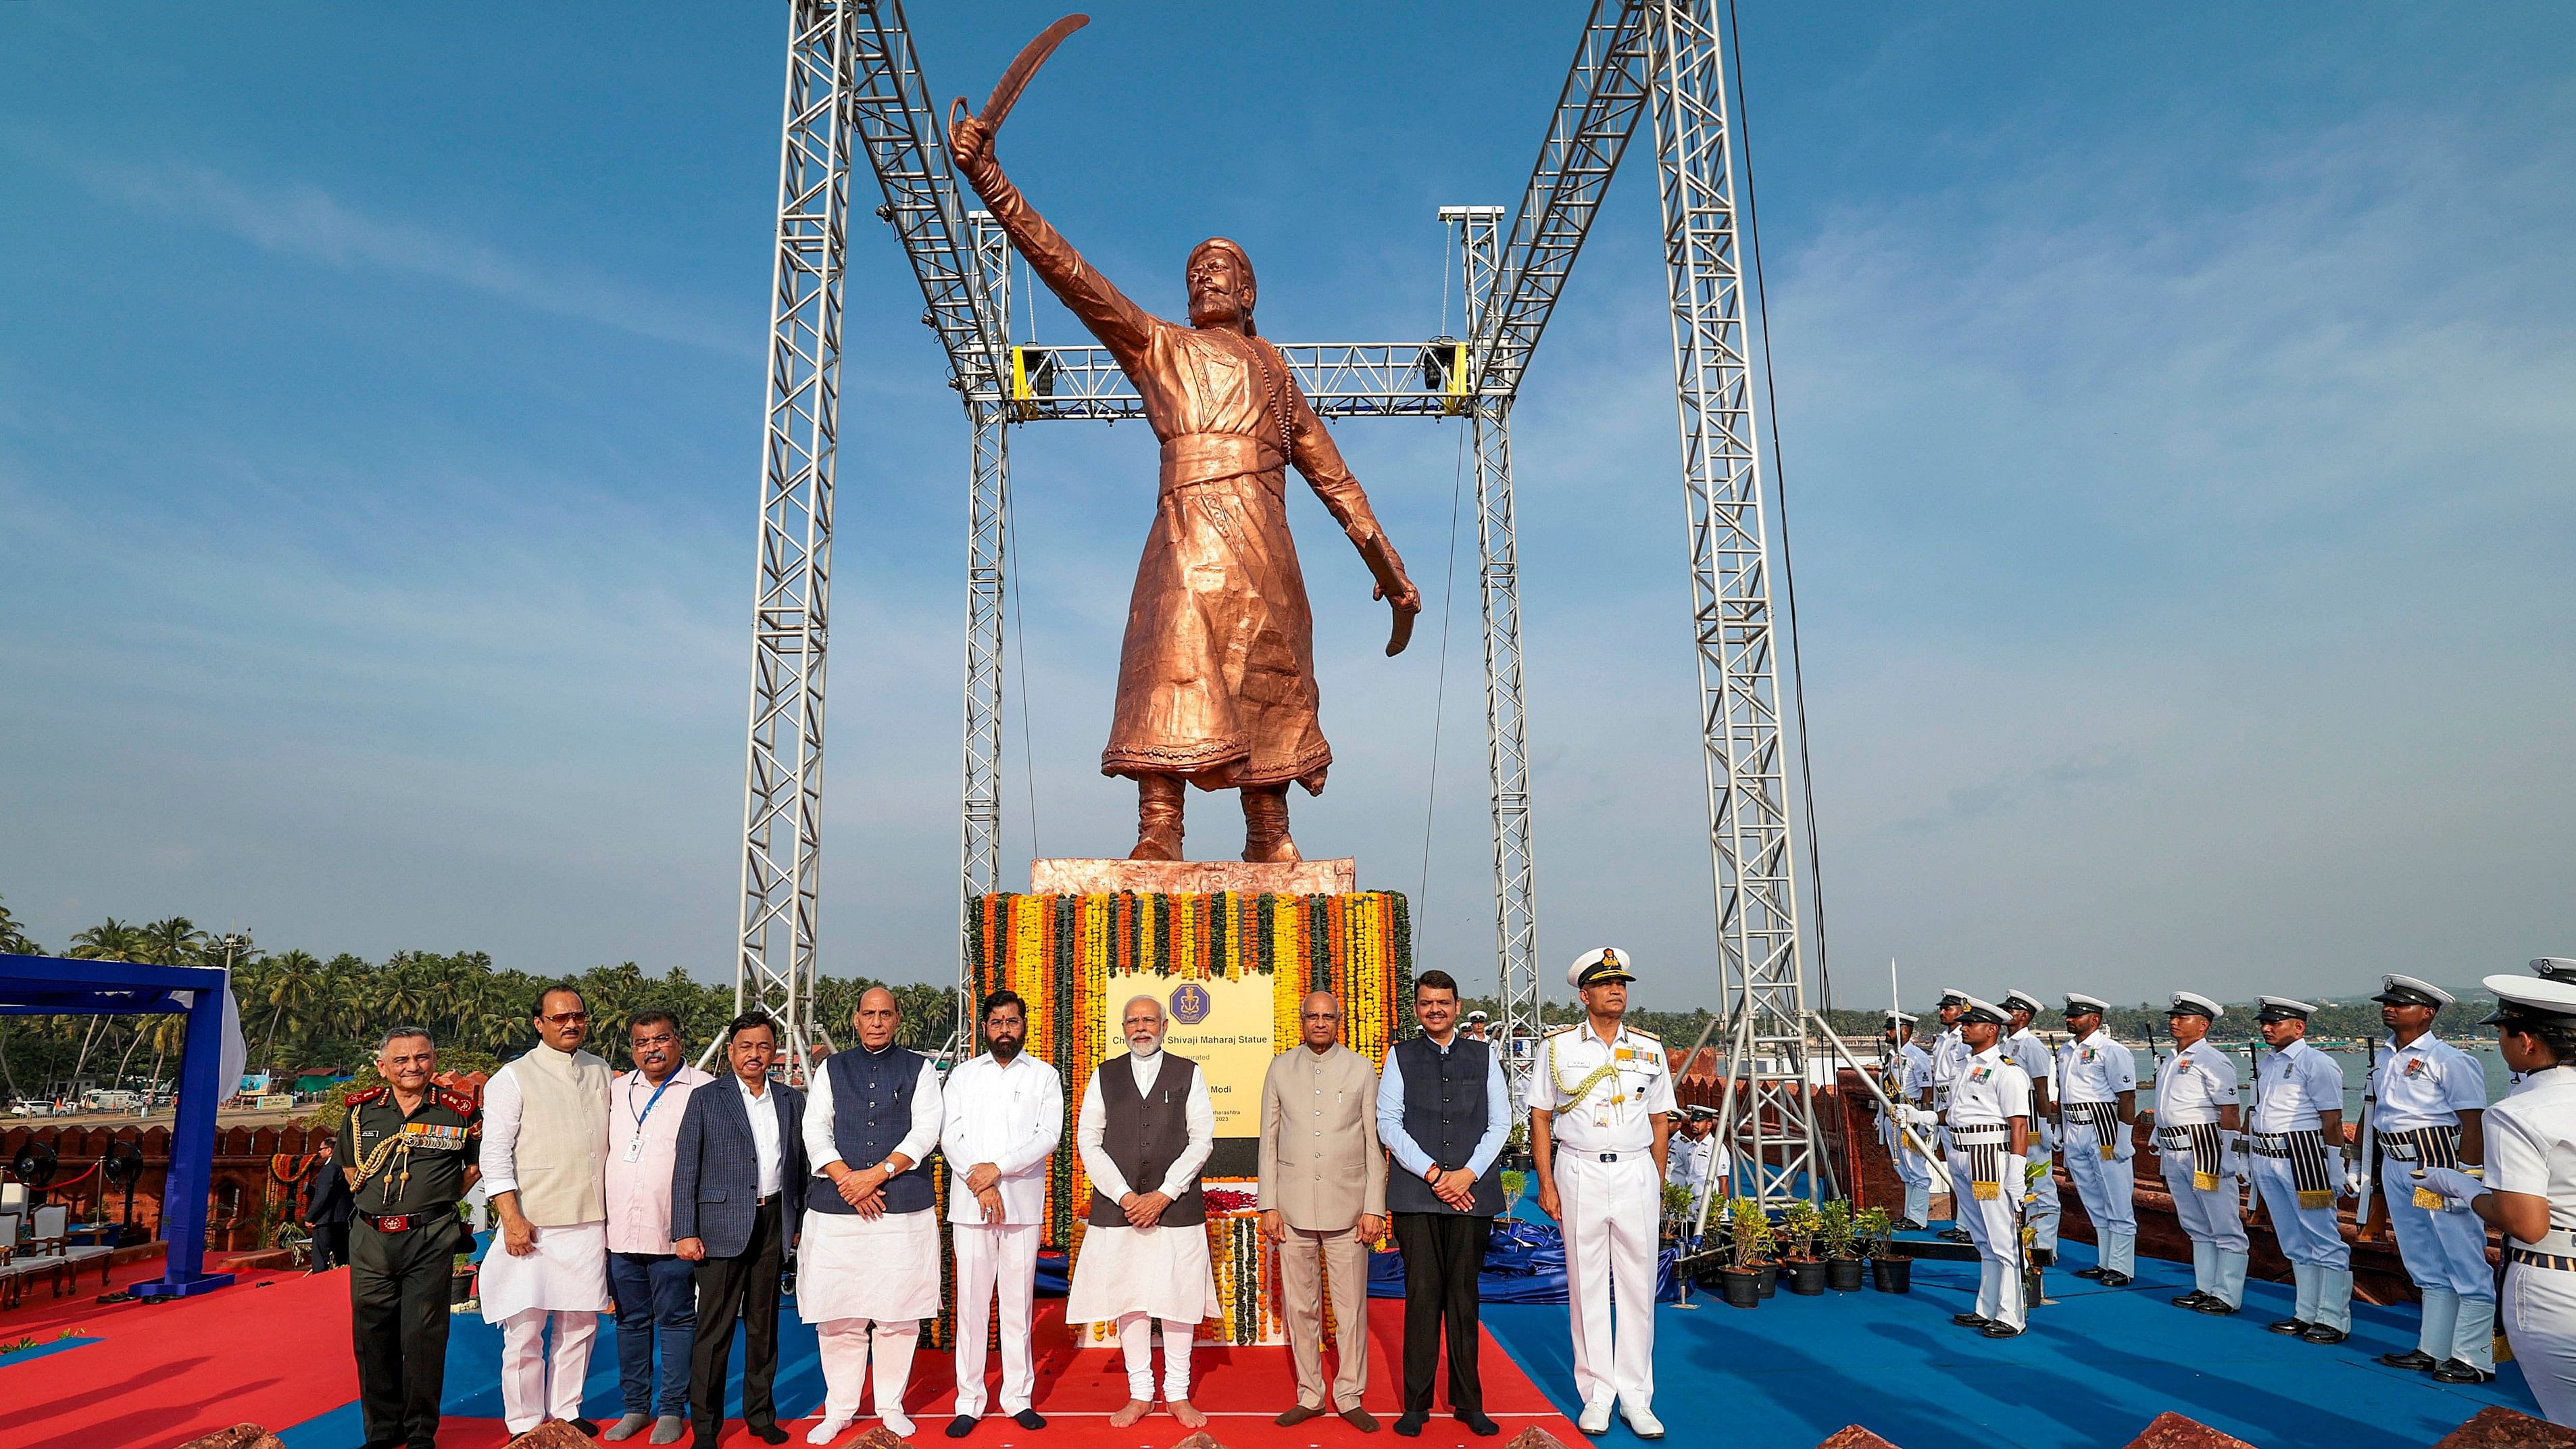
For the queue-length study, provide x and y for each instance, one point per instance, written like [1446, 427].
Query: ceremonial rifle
[2361, 1200]
[2253, 1109]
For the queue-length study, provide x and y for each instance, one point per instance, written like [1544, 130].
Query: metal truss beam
[1595, 114]
[1340, 379]
[988, 511]
[1773, 1127]
[898, 126]
[783, 779]
[1506, 721]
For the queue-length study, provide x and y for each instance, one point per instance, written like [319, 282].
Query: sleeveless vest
[1145, 1133]
[1444, 1113]
[871, 1115]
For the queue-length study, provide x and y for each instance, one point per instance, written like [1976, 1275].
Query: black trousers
[1443, 1253]
[398, 1327]
[330, 1245]
[744, 1289]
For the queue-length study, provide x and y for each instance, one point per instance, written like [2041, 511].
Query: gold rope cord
[1575, 1093]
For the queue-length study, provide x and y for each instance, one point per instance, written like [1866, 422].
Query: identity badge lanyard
[635, 1144]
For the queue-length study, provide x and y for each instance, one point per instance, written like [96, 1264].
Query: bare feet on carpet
[1187, 1413]
[1129, 1412]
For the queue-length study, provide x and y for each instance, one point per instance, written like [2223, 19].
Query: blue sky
[2178, 408]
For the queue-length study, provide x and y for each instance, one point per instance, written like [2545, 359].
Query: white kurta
[568, 1273]
[884, 1268]
[1161, 1271]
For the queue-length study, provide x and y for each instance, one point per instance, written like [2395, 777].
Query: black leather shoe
[2001, 1330]
[961, 1426]
[2452, 1371]
[2290, 1325]
[2320, 1333]
[2413, 1358]
[1029, 1419]
[2111, 1279]
[1970, 1320]
[586, 1426]
[2088, 1272]
[1908, 1225]
[1410, 1425]
[1477, 1424]
[1952, 1235]
[2218, 1307]
[2191, 1299]
[768, 1433]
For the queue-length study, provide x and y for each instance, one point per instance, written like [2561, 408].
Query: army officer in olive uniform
[407, 1151]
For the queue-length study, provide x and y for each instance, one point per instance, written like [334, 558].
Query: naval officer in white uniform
[2034, 1058]
[1598, 1128]
[1908, 1082]
[1989, 1140]
[2298, 1168]
[1947, 1052]
[2200, 1140]
[2530, 1185]
[2097, 1080]
[2429, 1107]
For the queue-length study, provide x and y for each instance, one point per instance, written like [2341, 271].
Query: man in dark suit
[737, 1203]
[327, 1208]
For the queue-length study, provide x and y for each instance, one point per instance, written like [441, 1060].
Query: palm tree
[13, 940]
[293, 982]
[174, 941]
[109, 940]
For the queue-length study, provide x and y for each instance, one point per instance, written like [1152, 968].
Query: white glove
[2457, 1188]
[2351, 1181]
[2239, 1161]
[2047, 1136]
[2016, 1179]
[1921, 1119]
[2124, 1143]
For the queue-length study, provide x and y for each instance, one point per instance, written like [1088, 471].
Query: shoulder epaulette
[360, 1099]
[458, 1102]
[1648, 1035]
[1562, 1030]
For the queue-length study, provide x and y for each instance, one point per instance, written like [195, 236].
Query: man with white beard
[1145, 1130]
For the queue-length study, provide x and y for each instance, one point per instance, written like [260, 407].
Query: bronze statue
[1216, 678]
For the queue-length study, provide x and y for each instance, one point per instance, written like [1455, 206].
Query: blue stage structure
[59, 986]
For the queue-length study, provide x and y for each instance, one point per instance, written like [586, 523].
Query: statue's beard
[1215, 304]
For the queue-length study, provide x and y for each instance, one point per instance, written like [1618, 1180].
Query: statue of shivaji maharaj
[1216, 678]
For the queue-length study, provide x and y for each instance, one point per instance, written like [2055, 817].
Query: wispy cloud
[298, 219]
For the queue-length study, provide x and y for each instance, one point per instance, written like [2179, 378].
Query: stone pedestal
[1074, 877]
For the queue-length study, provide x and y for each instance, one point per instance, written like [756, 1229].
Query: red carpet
[274, 1350]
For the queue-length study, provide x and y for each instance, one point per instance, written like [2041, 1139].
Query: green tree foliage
[304, 1014]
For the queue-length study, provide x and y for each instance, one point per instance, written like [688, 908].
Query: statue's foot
[1159, 801]
[1265, 824]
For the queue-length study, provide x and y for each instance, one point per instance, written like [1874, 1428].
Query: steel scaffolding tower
[1759, 960]
[852, 72]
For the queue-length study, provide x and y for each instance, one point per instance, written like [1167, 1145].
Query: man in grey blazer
[1323, 1200]
[737, 1203]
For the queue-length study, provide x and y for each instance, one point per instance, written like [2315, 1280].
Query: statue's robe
[1216, 679]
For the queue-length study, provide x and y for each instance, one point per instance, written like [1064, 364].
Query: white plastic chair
[53, 1230]
[9, 1235]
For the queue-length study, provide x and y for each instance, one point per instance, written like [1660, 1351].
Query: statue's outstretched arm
[1122, 326]
[1312, 449]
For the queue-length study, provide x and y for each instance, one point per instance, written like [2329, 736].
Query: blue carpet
[2093, 1369]
[10, 1358]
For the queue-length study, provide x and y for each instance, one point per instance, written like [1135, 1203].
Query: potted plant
[1799, 1225]
[1840, 1244]
[1889, 1272]
[1515, 1182]
[1748, 1245]
[1677, 1211]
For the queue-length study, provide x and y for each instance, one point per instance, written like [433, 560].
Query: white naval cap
[1895, 1017]
[1476, 1016]
[2530, 998]
[2281, 1008]
[2397, 990]
[2019, 1000]
[2192, 1003]
[1985, 1011]
[2079, 1004]
[1601, 963]
[2554, 968]
[1953, 996]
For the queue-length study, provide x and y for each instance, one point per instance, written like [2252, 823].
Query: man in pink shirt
[655, 1290]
